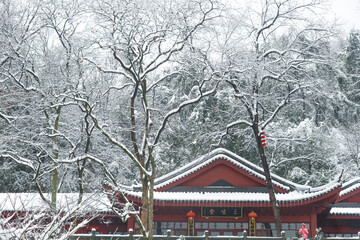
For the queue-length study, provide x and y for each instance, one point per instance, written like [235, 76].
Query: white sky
[348, 13]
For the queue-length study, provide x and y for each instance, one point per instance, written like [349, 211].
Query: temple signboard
[221, 212]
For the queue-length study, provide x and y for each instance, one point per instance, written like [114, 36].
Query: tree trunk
[151, 199]
[54, 182]
[145, 203]
[269, 184]
[54, 173]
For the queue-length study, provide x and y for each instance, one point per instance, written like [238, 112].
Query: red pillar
[313, 222]
[131, 223]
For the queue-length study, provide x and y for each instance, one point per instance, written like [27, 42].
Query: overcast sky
[348, 12]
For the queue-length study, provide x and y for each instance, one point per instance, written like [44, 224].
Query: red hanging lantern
[97, 228]
[191, 223]
[252, 223]
[263, 141]
[252, 215]
[190, 215]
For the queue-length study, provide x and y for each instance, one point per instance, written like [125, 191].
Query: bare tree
[143, 42]
[276, 62]
[57, 96]
[42, 75]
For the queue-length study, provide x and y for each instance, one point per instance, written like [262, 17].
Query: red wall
[222, 170]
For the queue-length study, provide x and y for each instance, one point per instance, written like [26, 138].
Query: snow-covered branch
[232, 125]
[297, 159]
[120, 145]
[167, 76]
[18, 159]
[178, 109]
[7, 118]
[280, 106]
[24, 216]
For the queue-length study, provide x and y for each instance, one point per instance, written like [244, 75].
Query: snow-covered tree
[276, 62]
[42, 123]
[114, 91]
[144, 43]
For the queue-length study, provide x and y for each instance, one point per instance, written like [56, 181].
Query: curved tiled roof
[345, 211]
[341, 208]
[236, 197]
[350, 186]
[296, 193]
[232, 158]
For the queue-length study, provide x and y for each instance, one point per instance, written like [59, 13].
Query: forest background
[120, 92]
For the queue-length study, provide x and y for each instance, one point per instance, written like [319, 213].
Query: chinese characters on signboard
[227, 212]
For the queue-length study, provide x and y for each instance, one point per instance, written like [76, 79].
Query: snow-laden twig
[120, 145]
[230, 126]
[344, 98]
[279, 163]
[177, 45]
[6, 118]
[28, 218]
[167, 76]
[18, 159]
[281, 105]
[178, 109]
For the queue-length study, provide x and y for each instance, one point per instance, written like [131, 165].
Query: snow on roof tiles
[350, 186]
[293, 196]
[296, 192]
[234, 159]
[345, 211]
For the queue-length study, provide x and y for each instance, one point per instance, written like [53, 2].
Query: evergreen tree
[352, 63]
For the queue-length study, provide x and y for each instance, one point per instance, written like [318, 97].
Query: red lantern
[190, 214]
[252, 215]
[263, 141]
[252, 224]
[97, 228]
[191, 223]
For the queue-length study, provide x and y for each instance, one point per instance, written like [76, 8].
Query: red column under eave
[131, 223]
[313, 223]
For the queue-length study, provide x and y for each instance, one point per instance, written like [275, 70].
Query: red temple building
[226, 194]
[222, 189]
[344, 216]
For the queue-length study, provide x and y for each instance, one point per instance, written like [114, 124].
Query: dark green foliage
[15, 178]
[352, 60]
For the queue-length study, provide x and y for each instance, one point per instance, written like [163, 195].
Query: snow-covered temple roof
[235, 197]
[168, 188]
[350, 186]
[171, 190]
[348, 203]
[336, 211]
[238, 161]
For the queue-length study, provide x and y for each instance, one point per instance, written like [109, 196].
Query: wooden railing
[131, 236]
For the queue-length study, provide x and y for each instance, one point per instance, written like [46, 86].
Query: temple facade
[226, 194]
